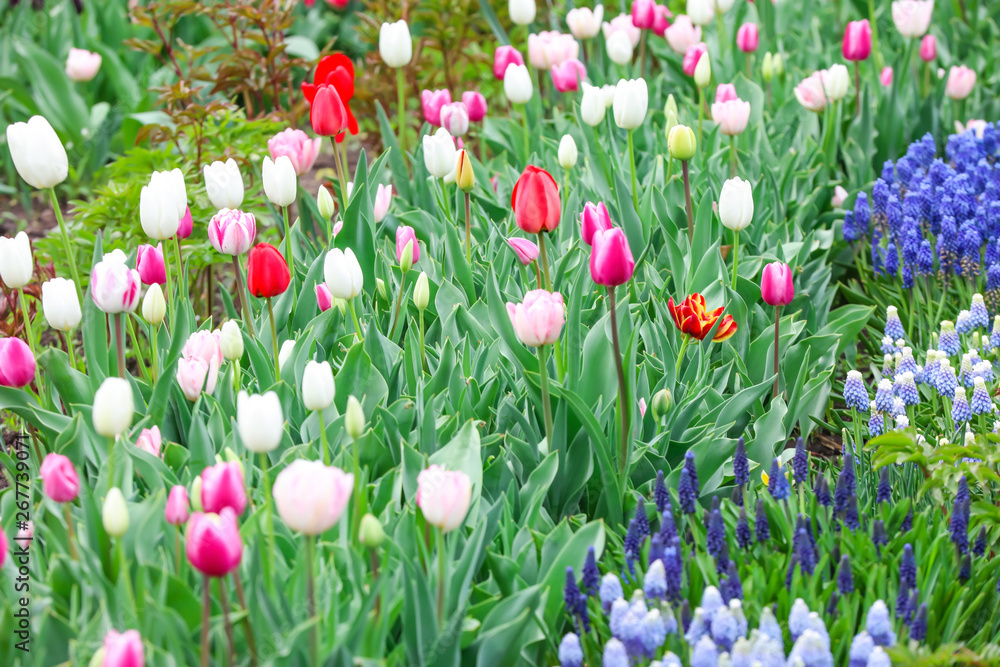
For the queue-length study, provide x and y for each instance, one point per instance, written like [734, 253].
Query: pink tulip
[432, 101]
[731, 117]
[539, 319]
[692, 56]
[912, 17]
[324, 299]
[621, 23]
[17, 363]
[195, 375]
[839, 196]
[149, 264]
[928, 48]
[297, 145]
[404, 235]
[113, 286]
[857, 44]
[593, 219]
[383, 199]
[59, 479]
[643, 14]
[961, 81]
[443, 496]
[811, 94]
[683, 34]
[24, 537]
[82, 65]
[123, 649]
[611, 261]
[526, 251]
[973, 125]
[475, 103]
[222, 487]
[885, 76]
[504, 56]
[311, 497]
[662, 20]
[549, 48]
[150, 440]
[776, 286]
[567, 76]
[186, 225]
[725, 92]
[205, 345]
[748, 38]
[178, 507]
[337, 226]
[213, 543]
[455, 118]
[231, 231]
[642, 407]
[4, 547]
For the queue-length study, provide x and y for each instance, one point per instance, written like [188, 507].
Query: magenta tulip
[4, 547]
[644, 14]
[526, 251]
[123, 649]
[885, 76]
[504, 56]
[178, 506]
[213, 543]
[611, 261]
[475, 103]
[231, 231]
[59, 479]
[186, 225]
[539, 319]
[17, 363]
[662, 21]
[150, 265]
[748, 38]
[725, 92]
[928, 48]
[432, 101]
[857, 45]
[404, 235]
[567, 76]
[324, 299]
[692, 56]
[595, 218]
[222, 488]
[776, 286]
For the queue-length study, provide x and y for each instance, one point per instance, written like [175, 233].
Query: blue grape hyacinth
[855, 392]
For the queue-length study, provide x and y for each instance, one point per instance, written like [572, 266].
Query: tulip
[38, 155]
[839, 197]
[406, 236]
[517, 84]
[912, 17]
[885, 76]
[24, 537]
[643, 14]
[311, 497]
[150, 440]
[231, 341]
[642, 407]
[723, 6]
[701, 12]
[177, 510]
[113, 407]
[231, 231]
[17, 363]
[682, 144]
[123, 649]
[297, 146]
[592, 107]
[60, 304]
[811, 94]
[4, 548]
[395, 45]
[433, 101]
[567, 76]
[195, 375]
[260, 421]
[835, 82]
[162, 203]
[59, 478]
[327, 113]
[114, 514]
[550, 48]
[16, 263]
[205, 345]
[682, 35]
[440, 153]
[224, 184]
[222, 487]
[526, 251]
[693, 56]
[585, 23]
[150, 264]
[776, 289]
[662, 20]
[748, 37]
[539, 319]
[317, 386]
[213, 543]
[961, 81]
[928, 48]
[113, 286]
[568, 152]
[343, 273]
[703, 71]
[522, 12]
[736, 212]
[354, 418]
[279, 180]
[535, 201]
[731, 116]
[286, 351]
[611, 262]
[421, 293]
[619, 48]
[693, 320]
[662, 402]
[443, 497]
[154, 309]
[593, 219]
[503, 57]
[324, 299]
[724, 92]
[82, 65]
[370, 531]
[622, 23]
[455, 118]
[475, 105]
[267, 273]
[630, 104]
[857, 44]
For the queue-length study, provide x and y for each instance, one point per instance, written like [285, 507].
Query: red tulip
[267, 271]
[535, 201]
[213, 543]
[692, 319]
[335, 70]
[611, 261]
[776, 286]
[327, 114]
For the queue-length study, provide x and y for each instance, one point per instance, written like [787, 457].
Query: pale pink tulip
[961, 81]
[622, 23]
[539, 319]
[296, 144]
[810, 93]
[150, 440]
[311, 497]
[444, 496]
[231, 231]
[82, 65]
[731, 117]
[682, 34]
[526, 251]
[549, 48]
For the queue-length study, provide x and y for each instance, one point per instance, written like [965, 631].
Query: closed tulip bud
[222, 487]
[535, 201]
[16, 264]
[703, 71]
[592, 107]
[455, 118]
[311, 497]
[267, 271]
[811, 93]
[611, 261]
[701, 12]
[671, 105]
[395, 45]
[82, 65]
[177, 510]
[38, 155]
[60, 304]
[406, 257]
[260, 421]
[584, 22]
[912, 17]
[776, 286]
[670, 122]
[154, 306]
[343, 273]
[59, 479]
[150, 264]
[619, 47]
[961, 81]
[213, 543]
[568, 152]
[440, 154]
[928, 48]
[857, 44]
[286, 352]
[594, 218]
[662, 401]
[317, 385]
[517, 84]
[475, 105]
[522, 12]
[224, 184]
[748, 38]
[298, 146]
[778, 63]
[465, 176]
[324, 202]
[836, 81]
[231, 341]
[280, 181]
[767, 67]
[113, 407]
[736, 204]
[17, 363]
[380, 287]
[123, 650]
[354, 418]
[444, 496]
[196, 495]
[682, 143]
[370, 532]
[383, 199]
[114, 515]
[162, 203]
[421, 292]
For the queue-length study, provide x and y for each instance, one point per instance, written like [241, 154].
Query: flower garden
[479, 333]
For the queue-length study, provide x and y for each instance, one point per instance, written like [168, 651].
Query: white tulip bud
[522, 12]
[354, 418]
[38, 155]
[154, 306]
[231, 341]
[736, 204]
[592, 106]
[61, 304]
[324, 201]
[16, 264]
[517, 84]
[318, 388]
[630, 103]
[703, 71]
[343, 273]
[568, 153]
[113, 407]
[224, 184]
[280, 181]
[114, 514]
[394, 44]
[260, 421]
[421, 292]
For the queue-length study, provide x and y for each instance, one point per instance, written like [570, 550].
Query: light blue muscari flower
[615, 654]
[948, 341]
[742, 653]
[902, 422]
[906, 363]
[812, 650]
[769, 652]
[893, 325]
[570, 652]
[798, 618]
[669, 620]
[906, 388]
[960, 409]
[742, 626]
[931, 368]
[963, 323]
[888, 345]
[711, 602]
[879, 624]
[876, 423]
[611, 590]
[984, 370]
[705, 654]
[653, 632]
[619, 608]
[861, 648]
[817, 625]
[981, 402]
[669, 660]
[888, 366]
[655, 583]
[724, 628]
[768, 624]
[965, 370]
[698, 628]
[898, 407]
[946, 380]
[879, 658]
[977, 311]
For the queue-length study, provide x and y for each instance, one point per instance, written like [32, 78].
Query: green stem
[623, 405]
[311, 598]
[468, 230]
[224, 604]
[546, 401]
[120, 344]
[399, 303]
[687, 199]
[247, 628]
[177, 551]
[154, 351]
[244, 296]
[269, 504]
[777, 373]
[736, 255]
[322, 438]
[524, 121]
[635, 187]
[70, 258]
[181, 291]
[124, 573]
[169, 295]
[288, 240]
[357, 324]
[680, 354]
[441, 580]
[720, 28]
[423, 354]
[544, 261]
[69, 531]
[274, 341]
[206, 616]
[701, 111]
[71, 349]
[874, 24]
[733, 159]
[28, 333]
[340, 176]
[111, 462]
[401, 112]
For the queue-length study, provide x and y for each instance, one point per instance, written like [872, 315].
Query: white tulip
[61, 304]
[260, 421]
[701, 12]
[317, 385]
[568, 152]
[38, 155]
[517, 84]
[440, 153]
[836, 81]
[736, 204]
[224, 184]
[394, 44]
[723, 6]
[630, 103]
[113, 407]
[280, 180]
[114, 514]
[342, 273]
[703, 71]
[522, 12]
[608, 93]
[286, 352]
[354, 418]
[592, 107]
[16, 265]
[619, 47]
[162, 203]
[154, 306]
[231, 341]
[584, 23]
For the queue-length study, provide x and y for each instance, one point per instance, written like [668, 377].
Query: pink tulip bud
[123, 649]
[455, 118]
[928, 48]
[213, 543]
[539, 319]
[857, 44]
[642, 407]
[404, 235]
[961, 81]
[17, 363]
[662, 21]
[383, 199]
[748, 38]
[59, 480]
[24, 537]
[885, 76]
[595, 218]
[643, 14]
[296, 144]
[776, 286]
[839, 196]
[567, 77]
[526, 251]
[432, 102]
[150, 440]
[113, 286]
[82, 65]
[611, 261]
[725, 92]
[186, 225]
[504, 56]
[178, 507]
[475, 103]
[222, 487]
[692, 56]
[324, 299]
[443, 496]
[311, 497]
[149, 263]
[231, 231]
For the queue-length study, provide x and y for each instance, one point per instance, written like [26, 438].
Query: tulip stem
[28, 333]
[631, 159]
[206, 615]
[399, 304]
[269, 504]
[733, 159]
[357, 324]
[111, 462]
[69, 531]
[311, 598]
[623, 406]
[123, 572]
[340, 176]
[71, 349]
[288, 241]
[524, 122]
[180, 267]
[244, 296]
[423, 354]
[247, 628]
[543, 259]
[874, 24]
[468, 230]
[401, 112]
[857, 88]
[274, 341]
[65, 239]
[120, 344]
[687, 199]
[441, 579]
[680, 354]
[701, 111]
[154, 351]
[777, 316]
[225, 622]
[736, 254]
[177, 551]
[322, 438]
[543, 373]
